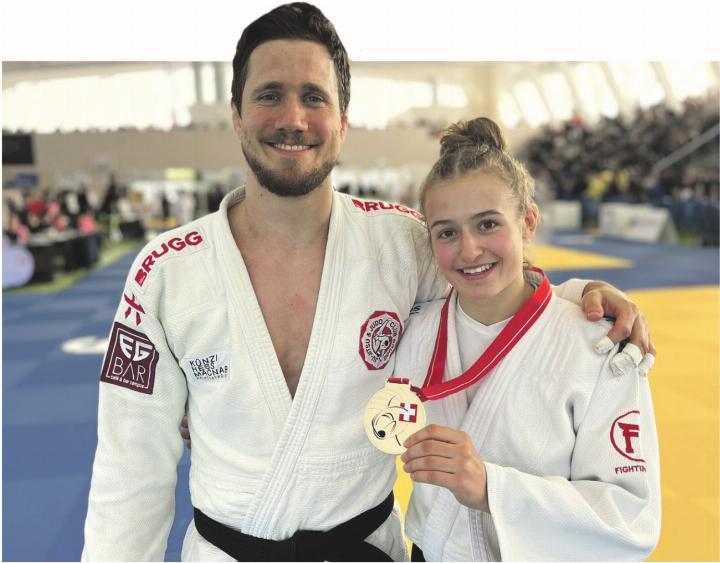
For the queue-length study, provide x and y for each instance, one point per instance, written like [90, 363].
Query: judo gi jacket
[570, 449]
[189, 331]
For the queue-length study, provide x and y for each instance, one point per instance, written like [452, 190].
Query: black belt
[342, 543]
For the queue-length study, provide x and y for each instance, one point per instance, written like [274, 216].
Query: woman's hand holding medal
[441, 456]
[396, 411]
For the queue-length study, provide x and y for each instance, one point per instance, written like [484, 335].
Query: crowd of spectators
[116, 213]
[67, 229]
[56, 230]
[49, 212]
[614, 161]
[46, 212]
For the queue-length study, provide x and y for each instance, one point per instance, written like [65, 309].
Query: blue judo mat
[50, 396]
[50, 418]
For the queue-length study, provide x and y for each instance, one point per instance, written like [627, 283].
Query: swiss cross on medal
[408, 413]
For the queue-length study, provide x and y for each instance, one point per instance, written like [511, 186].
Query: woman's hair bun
[481, 133]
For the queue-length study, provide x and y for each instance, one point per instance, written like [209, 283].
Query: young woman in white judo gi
[548, 455]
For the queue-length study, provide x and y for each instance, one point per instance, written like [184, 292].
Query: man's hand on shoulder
[600, 300]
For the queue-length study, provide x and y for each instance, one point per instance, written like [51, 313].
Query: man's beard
[288, 184]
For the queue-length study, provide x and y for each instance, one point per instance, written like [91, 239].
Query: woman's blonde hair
[479, 146]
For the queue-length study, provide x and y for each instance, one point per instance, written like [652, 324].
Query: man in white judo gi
[272, 322]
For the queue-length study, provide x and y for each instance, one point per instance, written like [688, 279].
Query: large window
[451, 95]
[558, 95]
[638, 82]
[390, 98]
[376, 101]
[688, 78]
[509, 112]
[594, 91]
[531, 104]
[207, 83]
[142, 99]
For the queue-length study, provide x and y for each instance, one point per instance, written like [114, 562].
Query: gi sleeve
[609, 508]
[572, 290]
[141, 402]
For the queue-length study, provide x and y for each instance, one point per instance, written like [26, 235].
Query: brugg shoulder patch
[182, 244]
[383, 207]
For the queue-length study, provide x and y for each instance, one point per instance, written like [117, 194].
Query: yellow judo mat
[556, 258]
[684, 380]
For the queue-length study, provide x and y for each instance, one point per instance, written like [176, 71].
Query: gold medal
[392, 415]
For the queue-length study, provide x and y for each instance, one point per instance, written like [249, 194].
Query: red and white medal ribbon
[388, 418]
[435, 388]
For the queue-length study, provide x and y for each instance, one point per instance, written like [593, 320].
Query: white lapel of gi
[444, 512]
[263, 511]
[488, 400]
[250, 323]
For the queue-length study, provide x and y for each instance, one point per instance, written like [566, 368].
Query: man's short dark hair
[298, 20]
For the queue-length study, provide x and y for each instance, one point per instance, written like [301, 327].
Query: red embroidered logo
[130, 360]
[368, 206]
[625, 435]
[379, 337]
[175, 244]
[133, 305]
[408, 412]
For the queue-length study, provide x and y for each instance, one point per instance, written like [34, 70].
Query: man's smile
[292, 148]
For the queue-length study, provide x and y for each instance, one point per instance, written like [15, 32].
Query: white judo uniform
[570, 449]
[189, 330]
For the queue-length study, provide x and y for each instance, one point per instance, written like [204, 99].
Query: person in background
[214, 197]
[184, 208]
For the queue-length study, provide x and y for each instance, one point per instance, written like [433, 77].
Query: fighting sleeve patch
[625, 438]
[130, 360]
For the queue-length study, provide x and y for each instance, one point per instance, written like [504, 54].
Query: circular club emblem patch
[379, 337]
[625, 435]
